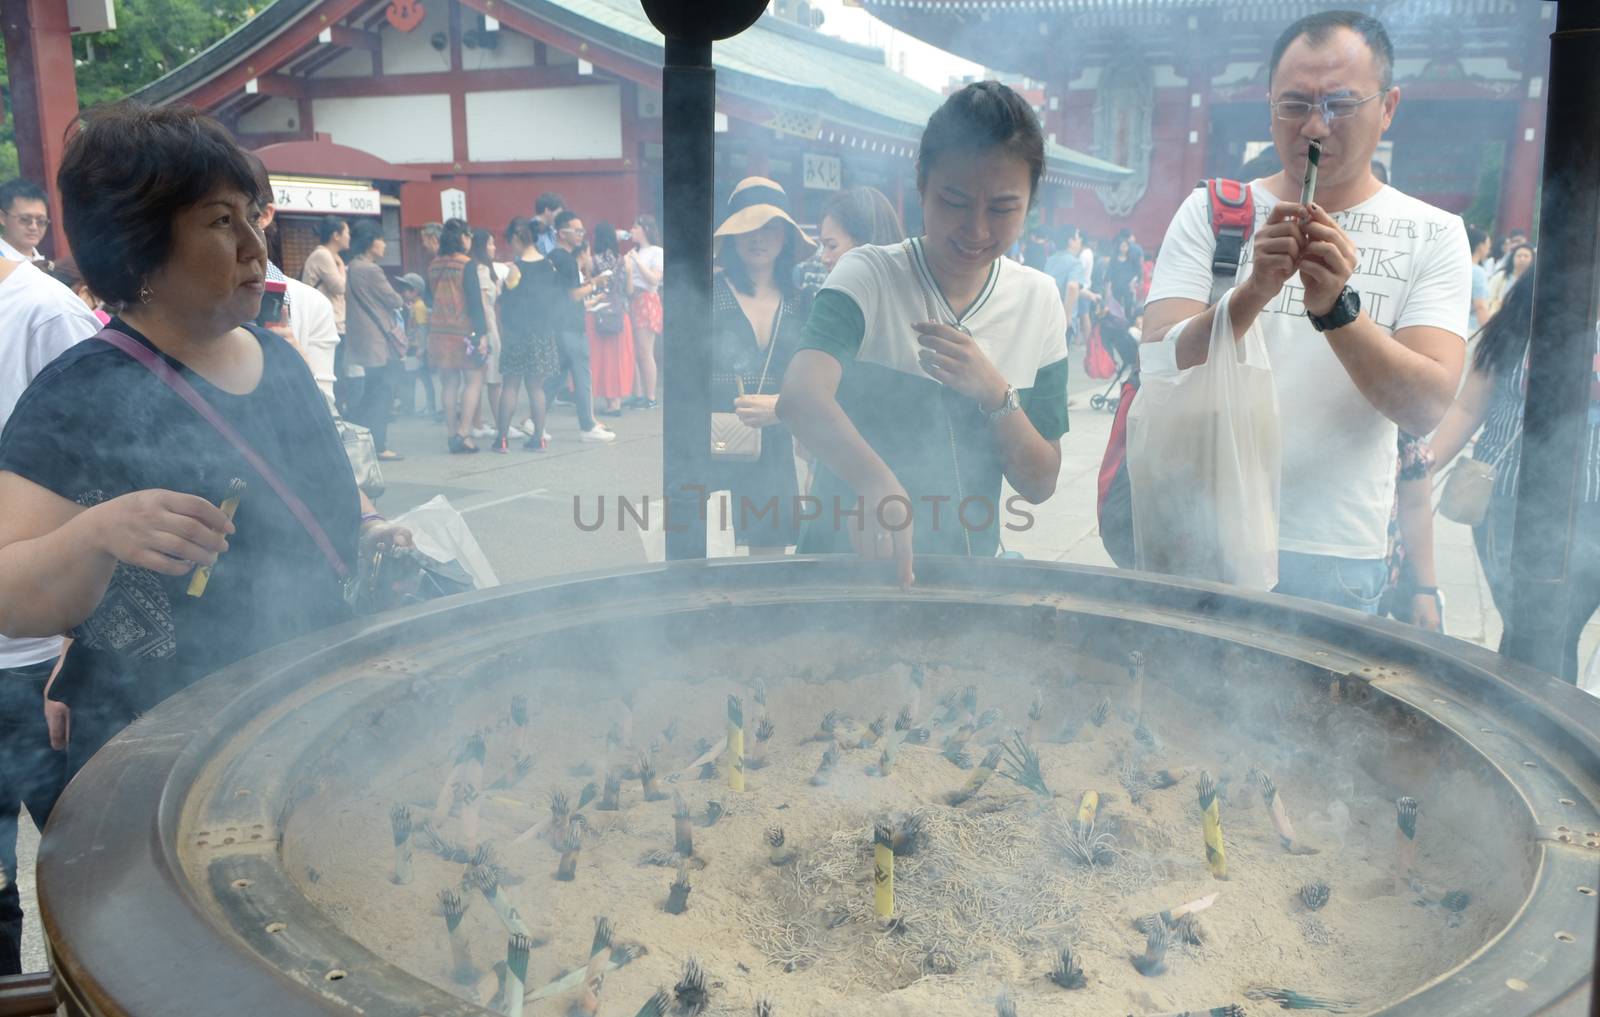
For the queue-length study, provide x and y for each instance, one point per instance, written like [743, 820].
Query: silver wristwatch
[1008, 406]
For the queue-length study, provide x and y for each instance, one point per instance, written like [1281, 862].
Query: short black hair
[1475, 236]
[866, 215]
[328, 227]
[1317, 27]
[362, 236]
[20, 189]
[128, 170]
[564, 218]
[549, 201]
[982, 116]
[453, 238]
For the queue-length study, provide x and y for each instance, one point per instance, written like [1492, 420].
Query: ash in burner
[1073, 862]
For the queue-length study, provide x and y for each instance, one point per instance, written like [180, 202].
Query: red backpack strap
[1232, 220]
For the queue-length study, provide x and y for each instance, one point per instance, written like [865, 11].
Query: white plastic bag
[439, 531]
[1204, 456]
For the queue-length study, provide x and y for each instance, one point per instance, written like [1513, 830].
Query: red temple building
[1176, 90]
[415, 109]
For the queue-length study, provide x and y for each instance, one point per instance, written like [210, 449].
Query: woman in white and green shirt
[931, 369]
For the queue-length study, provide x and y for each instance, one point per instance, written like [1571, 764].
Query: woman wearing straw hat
[755, 330]
[931, 370]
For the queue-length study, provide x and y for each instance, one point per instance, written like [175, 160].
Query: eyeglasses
[40, 221]
[1332, 109]
[579, 230]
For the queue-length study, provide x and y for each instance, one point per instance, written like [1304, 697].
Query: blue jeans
[30, 774]
[1355, 583]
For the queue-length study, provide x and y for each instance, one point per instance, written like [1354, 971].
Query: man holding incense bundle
[105, 524]
[1361, 292]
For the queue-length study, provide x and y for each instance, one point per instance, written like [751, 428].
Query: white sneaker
[597, 433]
[485, 432]
[527, 426]
[517, 431]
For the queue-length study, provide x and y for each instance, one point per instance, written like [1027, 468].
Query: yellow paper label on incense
[883, 880]
[1087, 807]
[735, 758]
[1216, 858]
[202, 574]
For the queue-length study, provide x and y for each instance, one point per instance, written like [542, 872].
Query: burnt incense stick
[1405, 842]
[1314, 895]
[1280, 815]
[1004, 1007]
[1288, 999]
[471, 804]
[1021, 766]
[620, 956]
[977, 780]
[691, 992]
[569, 845]
[778, 853]
[655, 1006]
[874, 732]
[230, 505]
[1066, 972]
[883, 871]
[825, 767]
[610, 794]
[517, 949]
[908, 835]
[1187, 930]
[590, 792]
[682, 829]
[1225, 1010]
[400, 822]
[735, 744]
[1101, 713]
[1154, 959]
[763, 1007]
[756, 758]
[714, 812]
[830, 723]
[453, 908]
[467, 768]
[647, 780]
[678, 893]
[1211, 826]
[520, 718]
[1036, 717]
[521, 766]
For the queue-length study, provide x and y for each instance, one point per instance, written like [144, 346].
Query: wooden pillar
[1524, 159]
[1197, 137]
[38, 41]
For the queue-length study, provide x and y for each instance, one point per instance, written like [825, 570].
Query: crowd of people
[897, 380]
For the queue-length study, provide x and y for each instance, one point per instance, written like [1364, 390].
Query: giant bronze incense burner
[231, 852]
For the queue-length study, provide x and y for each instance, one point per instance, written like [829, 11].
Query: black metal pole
[689, 102]
[1561, 357]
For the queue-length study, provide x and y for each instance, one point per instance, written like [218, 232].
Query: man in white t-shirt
[39, 320]
[1362, 296]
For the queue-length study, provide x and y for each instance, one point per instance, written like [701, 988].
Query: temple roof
[1044, 38]
[843, 92]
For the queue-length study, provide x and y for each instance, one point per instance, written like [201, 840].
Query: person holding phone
[610, 329]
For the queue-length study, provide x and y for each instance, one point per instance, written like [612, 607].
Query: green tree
[152, 38]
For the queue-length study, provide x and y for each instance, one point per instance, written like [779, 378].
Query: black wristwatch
[1345, 309]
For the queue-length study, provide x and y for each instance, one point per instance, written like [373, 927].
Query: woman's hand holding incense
[163, 531]
[757, 410]
[953, 358]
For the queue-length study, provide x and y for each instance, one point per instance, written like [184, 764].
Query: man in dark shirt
[568, 321]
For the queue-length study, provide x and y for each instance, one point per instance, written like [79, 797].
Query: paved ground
[520, 508]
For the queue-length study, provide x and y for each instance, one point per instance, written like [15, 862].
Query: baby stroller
[1117, 335]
